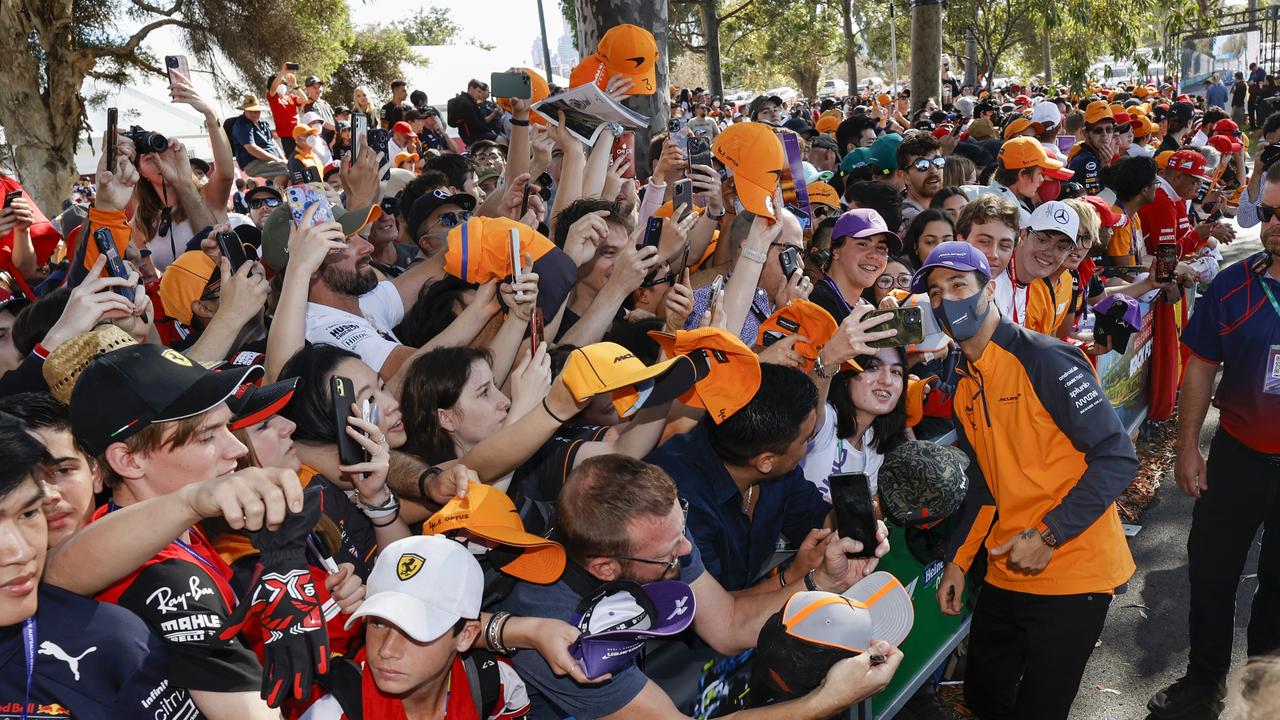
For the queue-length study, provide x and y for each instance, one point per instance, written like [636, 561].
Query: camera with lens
[1269, 155]
[146, 141]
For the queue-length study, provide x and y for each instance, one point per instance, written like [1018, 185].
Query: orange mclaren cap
[479, 250]
[733, 371]
[607, 367]
[540, 91]
[1162, 159]
[883, 98]
[1015, 126]
[827, 124]
[915, 398]
[754, 154]
[1097, 111]
[627, 50]
[488, 514]
[823, 194]
[1024, 152]
[184, 281]
[804, 318]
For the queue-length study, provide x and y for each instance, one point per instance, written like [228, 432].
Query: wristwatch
[615, 128]
[1048, 537]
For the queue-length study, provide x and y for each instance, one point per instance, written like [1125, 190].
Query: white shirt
[164, 247]
[371, 336]
[829, 455]
[1011, 301]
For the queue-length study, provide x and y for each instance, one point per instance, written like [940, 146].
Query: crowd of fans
[355, 419]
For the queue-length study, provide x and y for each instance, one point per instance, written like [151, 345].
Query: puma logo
[51, 649]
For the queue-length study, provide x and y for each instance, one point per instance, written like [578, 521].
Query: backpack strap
[485, 681]
[343, 683]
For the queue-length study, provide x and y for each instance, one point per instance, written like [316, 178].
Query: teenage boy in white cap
[422, 613]
[1045, 243]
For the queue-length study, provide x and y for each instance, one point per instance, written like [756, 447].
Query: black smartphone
[343, 392]
[544, 183]
[11, 196]
[232, 249]
[291, 66]
[535, 330]
[699, 150]
[115, 264]
[652, 234]
[790, 261]
[378, 139]
[909, 322]
[510, 85]
[1120, 270]
[855, 511]
[110, 148]
[524, 199]
[1166, 262]
[683, 196]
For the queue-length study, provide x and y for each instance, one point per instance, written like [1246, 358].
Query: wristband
[422, 481]
[553, 415]
[40, 352]
[395, 515]
[754, 255]
[377, 512]
[715, 216]
[519, 123]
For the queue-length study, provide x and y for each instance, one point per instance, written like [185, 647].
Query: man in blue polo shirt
[1236, 325]
[65, 655]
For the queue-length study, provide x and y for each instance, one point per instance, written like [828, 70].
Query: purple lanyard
[214, 573]
[839, 295]
[29, 645]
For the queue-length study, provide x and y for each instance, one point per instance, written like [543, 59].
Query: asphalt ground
[1144, 643]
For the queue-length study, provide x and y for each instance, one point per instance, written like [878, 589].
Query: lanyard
[29, 645]
[839, 295]
[214, 573]
[1274, 305]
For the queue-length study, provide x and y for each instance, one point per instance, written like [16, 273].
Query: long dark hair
[889, 430]
[434, 382]
[911, 238]
[311, 408]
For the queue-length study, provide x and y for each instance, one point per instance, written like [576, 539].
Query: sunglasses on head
[923, 164]
[259, 202]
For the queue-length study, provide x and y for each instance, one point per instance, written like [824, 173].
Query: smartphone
[11, 196]
[516, 270]
[1166, 262]
[343, 393]
[301, 197]
[232, 249]
[110, 149]
[301, 174]
[683, 196]
[625, 146]
[177, 63]
[699, 151]
[291, 66]
[791, 261]
[115, 264]
[909, 323]
[652, 234]
[524, 199]
[535, 330]
[359, 131]
[855, 511]
[378, 139]
[717, 287]
[510, 85]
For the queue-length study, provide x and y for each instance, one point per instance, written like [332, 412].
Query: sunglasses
[453, 219]
[1102, 129]
[1266, 213]
[923, 164]
[902, 280]
[259, 202]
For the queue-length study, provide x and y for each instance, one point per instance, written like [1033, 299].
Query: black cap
[122, 392]
[251, 404]
[427, 203]
[342, 110]
[800, 126]
[313, 80]
[1182, 111]
[268, 189]
[203, 166]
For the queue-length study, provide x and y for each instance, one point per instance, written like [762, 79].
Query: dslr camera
[1269, 155]
[146, 141]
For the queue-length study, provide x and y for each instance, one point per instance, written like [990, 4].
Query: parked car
[833, 88]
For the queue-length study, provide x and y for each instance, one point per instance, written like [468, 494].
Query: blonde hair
[1089, 221]
[372, 101]
[1254, 691]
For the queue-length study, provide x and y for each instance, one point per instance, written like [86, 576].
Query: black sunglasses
[259, 202]
[1266, 212]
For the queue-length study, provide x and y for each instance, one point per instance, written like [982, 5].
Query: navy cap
[955, 255]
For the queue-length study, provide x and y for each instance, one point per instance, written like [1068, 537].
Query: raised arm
[222, 176]
[308, 247]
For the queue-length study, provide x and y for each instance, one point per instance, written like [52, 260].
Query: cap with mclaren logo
[754, 155]
[609, 367]
[93, 660]
[955, 255]
[125, 390]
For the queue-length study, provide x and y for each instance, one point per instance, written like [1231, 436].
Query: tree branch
[156, 9]
[130, 47]
[746, 4]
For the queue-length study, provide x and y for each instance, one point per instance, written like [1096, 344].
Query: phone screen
[855, 512]
[1166, 262]
[10, 197]
[110, 148]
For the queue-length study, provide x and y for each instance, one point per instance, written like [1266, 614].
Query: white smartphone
[516, 270]
[717, 287]
[359, 134]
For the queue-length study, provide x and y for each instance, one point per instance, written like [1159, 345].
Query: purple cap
[865, 222]
[621, 615]
[955, 255]
[1122, 308]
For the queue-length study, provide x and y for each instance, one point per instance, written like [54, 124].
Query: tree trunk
[42, 125]
[711, 36]
[1048, 59]
[850, 46]
[970, 59]
[926, 52]
[595, 17]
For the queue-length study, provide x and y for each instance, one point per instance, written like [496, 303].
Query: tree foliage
[432, 26]
[373, 58]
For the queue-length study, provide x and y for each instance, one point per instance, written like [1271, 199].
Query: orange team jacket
[1046, 450]
[1047, 303]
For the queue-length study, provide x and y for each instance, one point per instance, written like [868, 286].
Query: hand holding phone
[855, 511]
[1166, 262]
[106, 244]
[343, 392]
[110, 147]
[177, 64]
[908, 321]
[682, 198]
[511, 85]
[516, 269]
[790, 261]
[535, 330]
[232, 249]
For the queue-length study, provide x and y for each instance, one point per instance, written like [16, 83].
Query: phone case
[179, 63]
[232, 249]
[343, 393]
[683, 195]
[909, 323]
[790, 260]
[699, 151]
[115, 265]
[301, 197]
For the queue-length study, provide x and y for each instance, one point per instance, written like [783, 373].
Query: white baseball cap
[1046, 114]
[1056, 216]
[313, 116]
[423, 585]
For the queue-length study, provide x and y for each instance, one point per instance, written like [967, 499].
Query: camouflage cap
[921, 483]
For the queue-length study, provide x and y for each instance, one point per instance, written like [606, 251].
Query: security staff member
[1043, 439]
[1089, 157]
[1236, 325]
